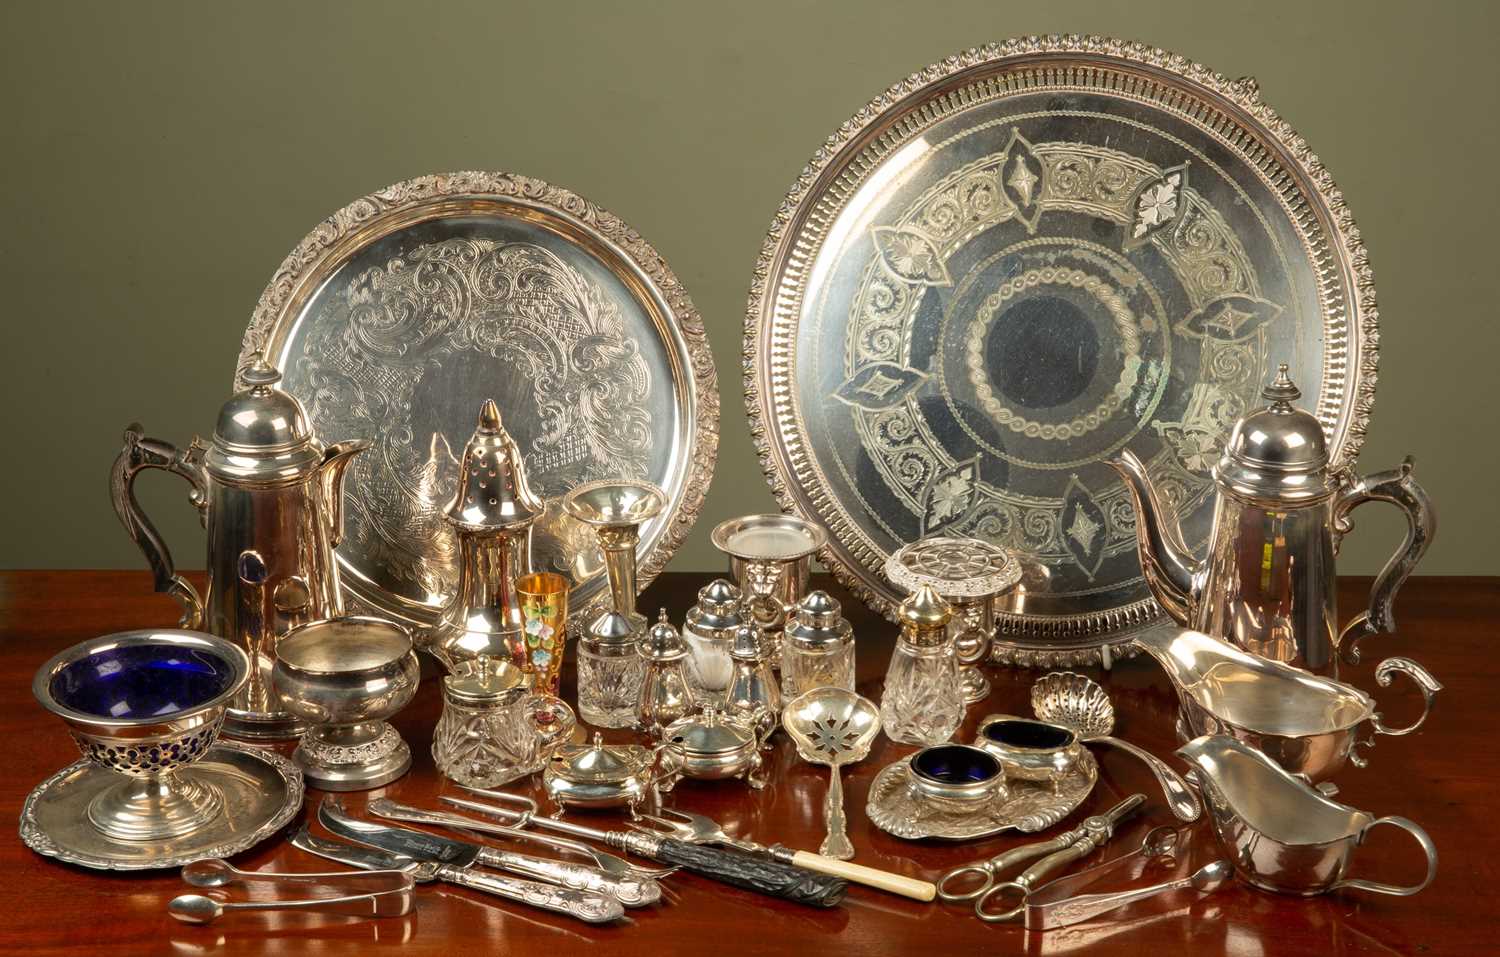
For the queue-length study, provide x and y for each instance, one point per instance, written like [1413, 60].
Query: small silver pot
[1030, 750]
[598, 775]
[711, 746]
[957, 772]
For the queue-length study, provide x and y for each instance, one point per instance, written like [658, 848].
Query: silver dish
[1030, 750]
[898, 807]
[402, 310]
[598, 775]
[1019, 262]
[261, 791]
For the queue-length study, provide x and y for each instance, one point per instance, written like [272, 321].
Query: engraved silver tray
[402, 312]
[896, 807]
[1013, 265]
[262, 791]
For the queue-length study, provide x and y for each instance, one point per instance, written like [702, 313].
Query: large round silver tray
[402, 312]
[1013, 265]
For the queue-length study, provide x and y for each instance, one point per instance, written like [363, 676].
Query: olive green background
[158, 160]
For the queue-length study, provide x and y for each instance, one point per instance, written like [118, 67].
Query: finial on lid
[259, 373]
[1282, 392]
[489, 418]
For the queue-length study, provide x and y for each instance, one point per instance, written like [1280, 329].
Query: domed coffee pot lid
[662, 642]
[262, 431]
[492, 489]
[1278, 451]
[817, 623]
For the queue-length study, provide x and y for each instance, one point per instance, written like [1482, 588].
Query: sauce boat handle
[1427, 848]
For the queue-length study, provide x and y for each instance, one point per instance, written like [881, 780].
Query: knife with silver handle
[452, 864]
[630, 891]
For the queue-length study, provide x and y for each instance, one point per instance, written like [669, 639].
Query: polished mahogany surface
[1443, 777]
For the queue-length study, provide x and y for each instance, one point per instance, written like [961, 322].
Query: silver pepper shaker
[817, 647]
[754, 693]
[665, 695]
[610, 671]
[709, 632]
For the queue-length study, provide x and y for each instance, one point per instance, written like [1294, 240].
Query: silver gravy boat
[1304, 723]
[1281, 834]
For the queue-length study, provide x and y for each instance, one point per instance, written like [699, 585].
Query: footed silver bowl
[146, 705]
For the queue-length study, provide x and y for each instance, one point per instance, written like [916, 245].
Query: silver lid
[717, 613]
[711, 733]
[484, 682]
[662, 642]
[818, 624]
[600, 763]
[1278, 451]
[751, 643]
[610, 635]
[262, 433]
[924, 618]
[492, 489]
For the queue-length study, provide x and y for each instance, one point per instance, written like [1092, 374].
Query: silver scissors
[960, 884]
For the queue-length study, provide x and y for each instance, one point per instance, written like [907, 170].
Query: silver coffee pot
[271, 497]
[1267, 581]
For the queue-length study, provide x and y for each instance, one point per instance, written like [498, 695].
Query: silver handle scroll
[584, 905]
[139, 454]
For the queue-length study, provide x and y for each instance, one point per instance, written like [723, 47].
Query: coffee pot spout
[330, 478]
[1169, 567]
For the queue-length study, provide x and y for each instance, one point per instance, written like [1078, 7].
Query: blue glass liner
[955, 765]
[141, 681]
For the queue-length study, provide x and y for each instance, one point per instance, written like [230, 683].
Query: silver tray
[1028, 806]
[1013, 265]
[262, 791]
[402, 312]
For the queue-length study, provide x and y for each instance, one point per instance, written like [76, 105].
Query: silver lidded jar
[923, 699]
[709, 632]
[610, 672]
[494, 729]
[817, 647]
[665, 696]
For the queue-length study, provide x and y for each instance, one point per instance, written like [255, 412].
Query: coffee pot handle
[1399, 488]
[139, 454]
[1376, 887]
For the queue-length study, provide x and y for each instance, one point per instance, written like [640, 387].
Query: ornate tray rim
[1055, 640]
[336, 237]
[42, 843]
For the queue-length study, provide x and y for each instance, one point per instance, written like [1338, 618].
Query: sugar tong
[1060, 851]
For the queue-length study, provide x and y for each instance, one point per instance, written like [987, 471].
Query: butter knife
[630, 891]
[452, 862]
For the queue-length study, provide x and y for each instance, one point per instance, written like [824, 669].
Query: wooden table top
[1442, 777]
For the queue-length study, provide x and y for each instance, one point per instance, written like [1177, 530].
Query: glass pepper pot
[923, 700]
[754, 694]
[665, 696]
[610, 671]
[709, 632]
[817, 647]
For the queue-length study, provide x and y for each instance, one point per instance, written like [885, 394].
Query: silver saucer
[1029, 806]
[262, 791]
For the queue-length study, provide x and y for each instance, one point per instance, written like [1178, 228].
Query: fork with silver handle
[693, 828]
[630, 891]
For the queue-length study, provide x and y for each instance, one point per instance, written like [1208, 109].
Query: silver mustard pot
[271, 498]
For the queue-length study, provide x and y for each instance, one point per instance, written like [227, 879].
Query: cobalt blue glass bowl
[957, 772]
[140, 702]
